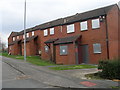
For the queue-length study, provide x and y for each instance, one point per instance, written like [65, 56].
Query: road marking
[87, 83]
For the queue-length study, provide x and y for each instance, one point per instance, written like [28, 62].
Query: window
[95, 23]
[63, 50]
[46, 48]
[13, 38]
[45, 32]
[70, 28]
[23, 36]
[33, 33]
[83, 26]
[17, 37]
[51, 31]
[97, 48]
[27, 34]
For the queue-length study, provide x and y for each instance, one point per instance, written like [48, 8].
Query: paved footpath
[65, 78]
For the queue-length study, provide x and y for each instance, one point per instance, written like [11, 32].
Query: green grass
[32, 59]
[73, 67]
[115, 87]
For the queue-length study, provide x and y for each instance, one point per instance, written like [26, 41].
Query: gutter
[107, 40]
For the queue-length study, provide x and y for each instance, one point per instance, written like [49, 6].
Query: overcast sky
[41, 11]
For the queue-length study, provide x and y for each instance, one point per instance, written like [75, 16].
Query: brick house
[82, 38]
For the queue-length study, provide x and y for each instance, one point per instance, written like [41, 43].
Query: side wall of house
[119, 32]
[112, 23]
[66, 59]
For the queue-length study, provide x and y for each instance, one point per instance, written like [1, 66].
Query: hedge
[110, 69]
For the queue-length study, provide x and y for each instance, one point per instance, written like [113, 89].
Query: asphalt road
[20, 74]
[12, 78]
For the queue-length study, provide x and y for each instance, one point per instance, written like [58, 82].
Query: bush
[110, 69]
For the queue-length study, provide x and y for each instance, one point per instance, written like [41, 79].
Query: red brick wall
[66, 59]
[119, 32]
[88, 37]
[112, 20]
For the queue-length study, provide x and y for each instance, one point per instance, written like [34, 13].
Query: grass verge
[73, 67]
[32, 59]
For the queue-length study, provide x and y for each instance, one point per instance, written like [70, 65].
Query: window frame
[98, 46]
[18, 37]
[93, 21]
[13, 38]
[83, 22]
[52, 32]
[33, 33]
[27, 35]
[47, 48]
[61, 50]
[69, 26]
[46, 30]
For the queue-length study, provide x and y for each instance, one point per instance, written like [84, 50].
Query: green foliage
[110, 69]
[31, 59]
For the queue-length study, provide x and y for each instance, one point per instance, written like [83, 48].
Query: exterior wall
[112, 20]
[66, 59]
[33, 47]
[119, 32]
[88, 37]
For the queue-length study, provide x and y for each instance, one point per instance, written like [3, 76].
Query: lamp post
[25, 31]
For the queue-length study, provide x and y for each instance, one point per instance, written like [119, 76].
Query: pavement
[42, 76]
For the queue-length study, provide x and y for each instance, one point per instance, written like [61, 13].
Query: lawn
[73, 67]
[32, 59]
[37, 61]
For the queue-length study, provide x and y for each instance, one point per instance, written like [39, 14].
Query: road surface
[20, 74]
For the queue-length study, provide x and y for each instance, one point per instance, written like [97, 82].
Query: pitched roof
[71, 19]
[51, 40]
[30, 38]
[77, 17]
[67, 39]
[14, 42]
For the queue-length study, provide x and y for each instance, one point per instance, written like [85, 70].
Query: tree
[3, 47]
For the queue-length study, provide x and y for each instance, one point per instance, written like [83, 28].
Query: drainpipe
[107, 40]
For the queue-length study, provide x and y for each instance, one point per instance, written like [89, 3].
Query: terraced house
[82, 38]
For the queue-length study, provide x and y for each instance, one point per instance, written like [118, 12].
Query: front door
[85, 53]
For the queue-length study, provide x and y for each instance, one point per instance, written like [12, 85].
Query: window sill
[97, 53]
[51, 34]
[64, 55]
[95, 28]
[70, 32]
[83, 30]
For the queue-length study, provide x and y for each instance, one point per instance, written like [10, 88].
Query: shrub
[110, 69]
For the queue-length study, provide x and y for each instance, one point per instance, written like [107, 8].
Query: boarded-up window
[70, 28]
[13, 38]
[45, 32]
[83, 25]
[63, 50]
[51, 31]
[95, 23]
[33, 33]
[46, 48]
[97, 48]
